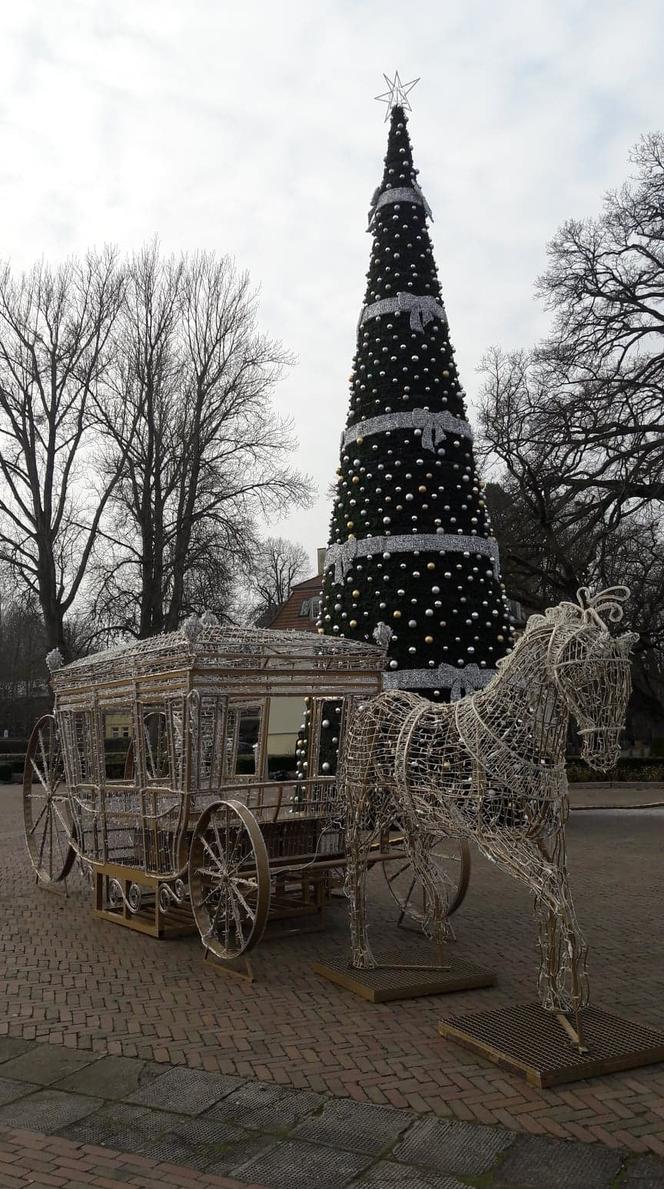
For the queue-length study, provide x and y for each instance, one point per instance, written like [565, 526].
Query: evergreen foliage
[411, 475]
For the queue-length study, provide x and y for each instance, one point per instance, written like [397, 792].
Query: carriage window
[287, 737]
[117, 730]
[242, 741]
[329, 735]
[155, 741]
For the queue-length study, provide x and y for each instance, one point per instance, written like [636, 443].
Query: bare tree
[576, 425]
[23, 689]
[56, 350]
[277, 566]
[591, 396]
[208, 455]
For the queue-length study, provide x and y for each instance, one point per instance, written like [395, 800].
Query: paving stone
[105, 1124]
[547, 1164]
[290, 1165]
[355, 1125]
[193, 1142]
[145, 1127]
[462, 1148]
[13, 1046]
[45, 1064]
[645, 1172]
[236, 1154]
[10, 1090]
[187, 1091]
[387, 1175]
[262, 1107]
[46, 1111]
[112, 1077]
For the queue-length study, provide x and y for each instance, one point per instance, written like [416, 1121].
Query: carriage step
[386, 983]
[530, 1041]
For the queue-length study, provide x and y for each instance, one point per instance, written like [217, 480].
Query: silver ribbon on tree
[343, 555]
[422, 308]
[434, 426]
[458, 681]
[398, 194]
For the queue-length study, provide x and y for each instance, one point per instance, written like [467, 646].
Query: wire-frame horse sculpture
[491, 767]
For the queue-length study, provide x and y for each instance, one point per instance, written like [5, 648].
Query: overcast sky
[249, 128]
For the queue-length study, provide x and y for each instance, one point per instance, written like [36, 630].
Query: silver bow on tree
[421, 307]
[468, 680]
[433, 432]
[341, 557]
[425, 204]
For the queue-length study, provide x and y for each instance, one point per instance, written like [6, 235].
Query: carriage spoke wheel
[450, 860]
[229, 879]
[46, 814]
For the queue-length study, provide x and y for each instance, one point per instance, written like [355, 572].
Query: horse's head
[593, 672]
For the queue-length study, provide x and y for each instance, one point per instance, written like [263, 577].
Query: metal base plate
[386, 983]
[530, 1041]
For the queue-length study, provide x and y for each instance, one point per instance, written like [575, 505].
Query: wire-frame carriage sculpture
[170, 770]
[491, 767]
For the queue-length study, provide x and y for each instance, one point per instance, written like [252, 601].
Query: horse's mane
[597, 611]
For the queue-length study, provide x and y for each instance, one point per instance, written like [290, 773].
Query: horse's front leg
[563, 976]
[562, 980]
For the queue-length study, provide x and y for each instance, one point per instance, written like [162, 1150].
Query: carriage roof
[211, 648]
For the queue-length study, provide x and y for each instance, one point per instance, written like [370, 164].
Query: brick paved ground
[87, 985]
[44, 1161]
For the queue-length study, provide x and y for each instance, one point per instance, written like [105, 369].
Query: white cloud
[250, 129]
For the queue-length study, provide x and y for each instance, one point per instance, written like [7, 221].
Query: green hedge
[629, 768]
[13, 747]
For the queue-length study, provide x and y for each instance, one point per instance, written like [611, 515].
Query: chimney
[321, 560]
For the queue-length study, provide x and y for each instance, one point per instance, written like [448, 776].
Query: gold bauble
[396, 615]
[428, 639]
[431, 565]
[355, 594]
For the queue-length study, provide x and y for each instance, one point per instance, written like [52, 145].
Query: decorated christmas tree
[410, 541]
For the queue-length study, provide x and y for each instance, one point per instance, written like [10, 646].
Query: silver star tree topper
[397, 96]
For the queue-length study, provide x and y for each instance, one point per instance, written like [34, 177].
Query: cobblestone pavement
[70, 1119]
[90, 988]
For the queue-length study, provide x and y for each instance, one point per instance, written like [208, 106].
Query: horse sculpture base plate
[530, 1041]
[386, 983]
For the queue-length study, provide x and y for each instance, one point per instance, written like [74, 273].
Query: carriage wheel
[450, 860]
[229, 879]
[48, 827]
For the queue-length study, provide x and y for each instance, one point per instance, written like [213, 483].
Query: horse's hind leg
[355, 886]
[357, 778]
[435, 924]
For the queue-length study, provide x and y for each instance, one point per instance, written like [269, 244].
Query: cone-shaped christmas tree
[410, 542]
